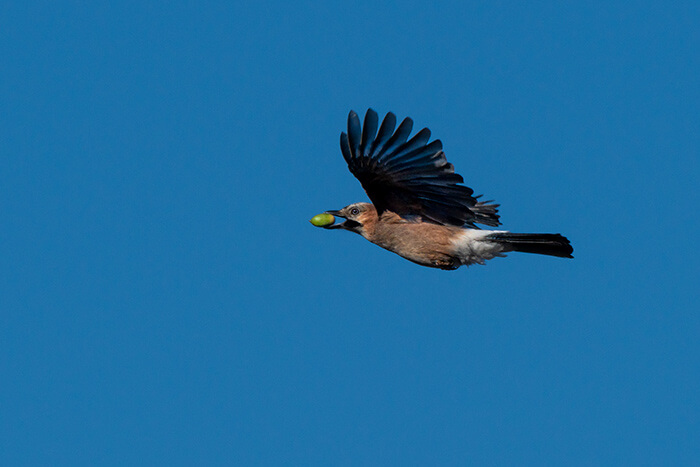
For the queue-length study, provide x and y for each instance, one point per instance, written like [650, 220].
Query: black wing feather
[385, 132]
[399, 137]
[410, 177]
[354, 134]
[369, 130]
[421, 156]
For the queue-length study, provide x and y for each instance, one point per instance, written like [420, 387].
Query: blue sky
[166, 302]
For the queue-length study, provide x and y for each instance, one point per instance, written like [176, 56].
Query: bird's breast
[421, 242]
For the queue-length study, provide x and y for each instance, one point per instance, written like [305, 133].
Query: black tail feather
[541, 244]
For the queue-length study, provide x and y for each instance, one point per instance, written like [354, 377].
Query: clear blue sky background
[164, 300]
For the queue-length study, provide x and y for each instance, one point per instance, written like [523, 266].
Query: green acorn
[322, 220]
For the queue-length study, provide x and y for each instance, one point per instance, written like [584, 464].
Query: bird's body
[420, 211]
[421, 242]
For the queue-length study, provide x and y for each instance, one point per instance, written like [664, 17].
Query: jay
[420, 210]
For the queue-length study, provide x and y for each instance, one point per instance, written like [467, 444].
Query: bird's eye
[354, 211]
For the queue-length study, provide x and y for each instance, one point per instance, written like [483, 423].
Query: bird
[420, 209]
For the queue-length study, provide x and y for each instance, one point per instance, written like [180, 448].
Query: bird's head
[357, 216]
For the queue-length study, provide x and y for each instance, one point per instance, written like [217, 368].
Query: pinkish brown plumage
[420, 210]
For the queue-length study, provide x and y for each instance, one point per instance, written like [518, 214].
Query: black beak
[336, 226]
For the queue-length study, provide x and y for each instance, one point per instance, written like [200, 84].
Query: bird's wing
[410, 177]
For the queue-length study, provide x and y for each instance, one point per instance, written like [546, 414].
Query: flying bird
[420, 210]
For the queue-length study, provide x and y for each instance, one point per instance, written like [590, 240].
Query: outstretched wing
[410, 177]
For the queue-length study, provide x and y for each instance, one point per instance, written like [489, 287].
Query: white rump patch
[471, 247]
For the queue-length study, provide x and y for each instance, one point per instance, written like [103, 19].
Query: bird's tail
[541, 244]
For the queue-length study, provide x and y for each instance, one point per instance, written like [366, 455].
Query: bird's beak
[340, 225]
